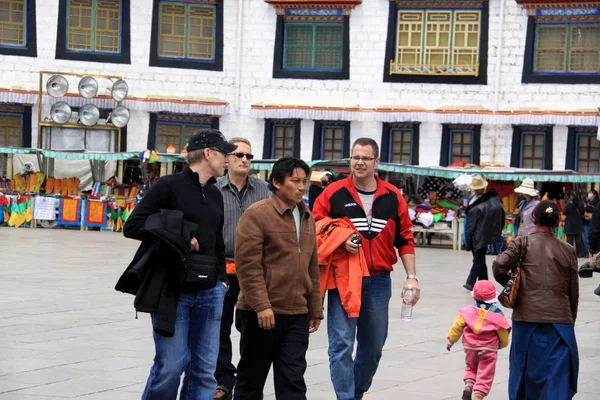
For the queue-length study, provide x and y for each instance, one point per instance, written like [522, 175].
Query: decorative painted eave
[282, 5]
[533, 5]
[154, 103]
[467, 114]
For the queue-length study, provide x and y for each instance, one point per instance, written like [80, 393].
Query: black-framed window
[400, 143]
[282, 138]
[18, 28]
[312, 48]
[583, 149]
[460, 143]
[331, 140]
[532, 147]
[175, 129]
[94, 30]
[560, 49]
[431, 43]
[15, 126]
[187, 34]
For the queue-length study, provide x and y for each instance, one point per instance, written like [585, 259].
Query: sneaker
[466, 395]
[220, 394]
[468, 287]
[597, 291]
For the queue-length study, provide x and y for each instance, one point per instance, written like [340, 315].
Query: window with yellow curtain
[11, 130]
[567, 48]
[175, 133]
[187, 30]
[13, 22]
[94, 26]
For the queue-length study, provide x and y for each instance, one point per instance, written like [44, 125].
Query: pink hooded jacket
[481, 328]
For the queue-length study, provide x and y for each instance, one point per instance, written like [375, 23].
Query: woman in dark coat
[574, 223]
[544, 362]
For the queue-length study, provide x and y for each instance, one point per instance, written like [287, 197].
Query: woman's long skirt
[544, 362]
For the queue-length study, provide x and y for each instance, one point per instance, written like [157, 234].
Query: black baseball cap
[206, 138]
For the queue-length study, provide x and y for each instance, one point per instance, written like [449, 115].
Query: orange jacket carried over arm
[339, 269]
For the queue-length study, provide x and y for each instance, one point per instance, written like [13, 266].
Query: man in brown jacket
[278, 271]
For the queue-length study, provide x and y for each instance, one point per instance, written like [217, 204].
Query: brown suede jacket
[549, 287]
[273, 269]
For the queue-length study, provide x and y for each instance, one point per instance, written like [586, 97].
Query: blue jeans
[352, 378]
[586, 242]
[194, 349]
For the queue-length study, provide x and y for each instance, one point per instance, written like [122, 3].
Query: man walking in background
[239, 191]
[485, 221]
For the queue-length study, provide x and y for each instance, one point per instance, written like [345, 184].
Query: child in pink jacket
[484, 330]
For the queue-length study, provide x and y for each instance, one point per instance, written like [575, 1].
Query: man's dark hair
[285, 167]
[547, 213]
[363, 141]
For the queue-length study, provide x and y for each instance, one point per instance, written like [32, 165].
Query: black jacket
[594, 236]
[200, 205]
[485, 221]
[574, 212]
[155, 275]
[197, 206]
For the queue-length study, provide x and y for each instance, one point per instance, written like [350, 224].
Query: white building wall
[368, 35]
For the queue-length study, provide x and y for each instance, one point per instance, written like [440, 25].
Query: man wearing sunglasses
[239, 191]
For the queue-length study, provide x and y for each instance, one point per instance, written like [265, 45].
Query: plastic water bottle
[406, 311]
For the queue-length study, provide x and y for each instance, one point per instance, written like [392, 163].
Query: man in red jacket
[379, 214]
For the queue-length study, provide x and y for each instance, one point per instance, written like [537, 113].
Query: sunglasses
[241, 155]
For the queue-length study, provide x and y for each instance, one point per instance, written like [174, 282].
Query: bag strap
[523, 250]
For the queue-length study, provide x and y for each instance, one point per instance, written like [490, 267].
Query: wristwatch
[416, 278]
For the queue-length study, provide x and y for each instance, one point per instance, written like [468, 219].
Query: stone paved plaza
[66, 333]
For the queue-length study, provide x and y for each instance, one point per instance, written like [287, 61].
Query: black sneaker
[597, 291]
[466, 395]
[468, 287]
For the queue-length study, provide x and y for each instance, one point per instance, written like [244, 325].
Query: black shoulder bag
[200, 272]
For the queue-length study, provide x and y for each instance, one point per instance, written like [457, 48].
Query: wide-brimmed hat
[478, 183]
[527, 187]
[485, 291]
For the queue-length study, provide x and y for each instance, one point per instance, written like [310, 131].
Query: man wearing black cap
[192, 344]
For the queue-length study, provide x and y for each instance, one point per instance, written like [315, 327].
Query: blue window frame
[12, 127]
[94, 30]
[567, 49]
[313, 46]
[187, 34]
[331, 140]
[17, 28]
[400, 149]
[460, 143]
[563, 45]
[94, 26]
[533, 149]
[400, 143]
[283, 137]
[460, 147]
[587, 152]
[176, 129]
[187, 31]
